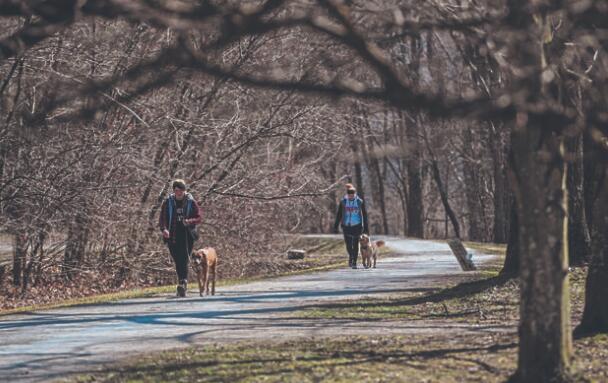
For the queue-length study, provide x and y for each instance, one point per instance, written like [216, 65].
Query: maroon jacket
[168, 217]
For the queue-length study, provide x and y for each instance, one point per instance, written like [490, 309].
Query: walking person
[352, 217]
[179, 215]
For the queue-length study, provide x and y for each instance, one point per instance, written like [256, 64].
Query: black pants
[180, 252]
[351, 238]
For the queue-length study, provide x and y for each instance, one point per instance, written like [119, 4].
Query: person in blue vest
[352, 217]
[179, 215]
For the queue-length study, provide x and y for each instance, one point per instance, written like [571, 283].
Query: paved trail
[46, 345]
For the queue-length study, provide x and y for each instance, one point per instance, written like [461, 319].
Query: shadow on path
[437, 295]
[196, 312]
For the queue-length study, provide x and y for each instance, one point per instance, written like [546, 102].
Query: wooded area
[483, 120]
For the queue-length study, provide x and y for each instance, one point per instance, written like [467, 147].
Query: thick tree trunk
[544, 331]
[579, 240]
[539, 185]
[595, 315]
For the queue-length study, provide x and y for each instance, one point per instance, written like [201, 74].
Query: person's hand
[166, 234]
[188, 221]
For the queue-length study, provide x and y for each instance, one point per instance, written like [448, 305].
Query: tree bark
[540, 187]
[415, 214]
[413, 163]
[19, 253]
[593, 170]
[76, 242]
[595, 314]
[502, 211]
[579, 240]
[373, 164]
[379, 179]
[444, 197]
[355, 146]
[511, 265]
[473, 197]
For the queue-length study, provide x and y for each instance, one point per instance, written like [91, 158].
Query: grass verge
[342, 359]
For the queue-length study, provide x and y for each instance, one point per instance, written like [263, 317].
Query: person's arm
[338, 216]
[195, 215]
[364, 216]
[162, 218]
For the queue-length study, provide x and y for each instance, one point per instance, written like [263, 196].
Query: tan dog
[369, 250]
[205, 264]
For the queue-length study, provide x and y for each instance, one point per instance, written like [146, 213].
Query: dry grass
[485, 300]
[324, 254]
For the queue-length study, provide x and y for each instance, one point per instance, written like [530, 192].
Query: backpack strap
[170, 206]
[188, 207]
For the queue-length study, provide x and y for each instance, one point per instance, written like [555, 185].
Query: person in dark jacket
[179, 215]
[352, 217]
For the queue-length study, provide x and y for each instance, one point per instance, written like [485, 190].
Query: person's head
[179, 188]
[350, 191]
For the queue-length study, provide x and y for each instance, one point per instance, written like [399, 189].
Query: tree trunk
[415, 214]
[473, 197]
[357, 165]
[511, 265]
[19, 252]
[502, 226]
[539, 185]
[78, 233]
[595, 314]
[444, 197]
[579, 240]
[593, 171]
[329, 172]
[545, 340]
[381, 195]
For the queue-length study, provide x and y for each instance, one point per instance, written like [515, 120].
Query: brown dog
[369, 250]
[205, 263]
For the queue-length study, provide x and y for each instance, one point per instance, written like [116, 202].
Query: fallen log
[296, 254]
[465, 259]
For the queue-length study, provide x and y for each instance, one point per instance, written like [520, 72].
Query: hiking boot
[182, 288]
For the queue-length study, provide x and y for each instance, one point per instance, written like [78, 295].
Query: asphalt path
[48, 345]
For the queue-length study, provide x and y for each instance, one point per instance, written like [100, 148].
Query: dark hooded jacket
[168, 217]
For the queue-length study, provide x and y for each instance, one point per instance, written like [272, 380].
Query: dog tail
[379, 243]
